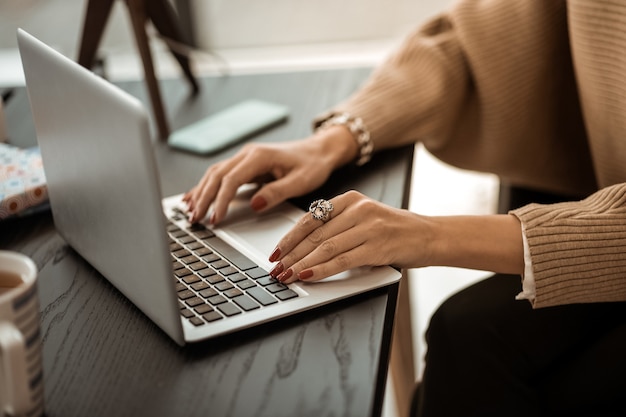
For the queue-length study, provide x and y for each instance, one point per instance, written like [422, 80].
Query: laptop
[194, 281]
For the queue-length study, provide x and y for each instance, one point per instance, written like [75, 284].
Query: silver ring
[320, 210]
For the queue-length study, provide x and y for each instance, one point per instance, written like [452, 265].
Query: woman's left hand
[359, 231]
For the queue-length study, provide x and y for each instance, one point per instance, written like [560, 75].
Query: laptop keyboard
[214, 281]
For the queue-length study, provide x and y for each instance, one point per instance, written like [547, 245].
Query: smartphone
[228, 126]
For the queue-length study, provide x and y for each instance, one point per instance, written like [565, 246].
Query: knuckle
[316, 237]
[328, 247]
[353, 195]
[343, 262]
[254, 150]
[305, 220]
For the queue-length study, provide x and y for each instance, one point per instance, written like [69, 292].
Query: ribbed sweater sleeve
[487, 86]
[578, 249]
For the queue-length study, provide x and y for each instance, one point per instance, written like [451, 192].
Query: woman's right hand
[287, 170]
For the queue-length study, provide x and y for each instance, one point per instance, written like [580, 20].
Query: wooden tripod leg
[97, 13]
[138, 18]
[164, 19]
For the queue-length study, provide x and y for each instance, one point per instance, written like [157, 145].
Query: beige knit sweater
[534, 91]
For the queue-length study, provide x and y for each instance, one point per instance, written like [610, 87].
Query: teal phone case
[228, 126]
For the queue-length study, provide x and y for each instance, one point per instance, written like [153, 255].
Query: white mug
[21, 370]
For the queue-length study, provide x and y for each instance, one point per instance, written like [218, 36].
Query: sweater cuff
[528, 279]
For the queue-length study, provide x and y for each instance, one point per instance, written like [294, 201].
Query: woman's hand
[287, 169]
[360, 231]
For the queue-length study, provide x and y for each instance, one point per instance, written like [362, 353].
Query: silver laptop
[193, 281]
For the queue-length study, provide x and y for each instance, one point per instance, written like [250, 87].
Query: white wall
[224, 24]
[234, 24]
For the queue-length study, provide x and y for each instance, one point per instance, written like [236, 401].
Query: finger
[337, 254]
[327, 239]
[305, 227]
[344, 262]
[204, 193]
[280, 189]
[253, 165]
[225, 178]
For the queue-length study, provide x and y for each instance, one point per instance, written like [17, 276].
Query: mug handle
[14, 377]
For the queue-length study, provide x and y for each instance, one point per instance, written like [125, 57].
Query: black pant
[490, 355]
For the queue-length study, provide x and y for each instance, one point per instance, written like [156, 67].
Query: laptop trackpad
[260, 235]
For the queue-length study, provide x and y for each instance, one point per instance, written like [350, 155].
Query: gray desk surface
[103, 357]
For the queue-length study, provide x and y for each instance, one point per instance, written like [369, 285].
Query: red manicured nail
[275, 255]
[258, 203]
[306, 274]
[277, 269]
[285, 275]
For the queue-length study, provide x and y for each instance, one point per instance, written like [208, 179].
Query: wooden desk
[103, 357]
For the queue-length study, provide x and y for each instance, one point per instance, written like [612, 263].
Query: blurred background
[273, 36]
[266, 33]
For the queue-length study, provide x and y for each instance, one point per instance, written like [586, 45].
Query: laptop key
[245, 302]
[203, 251]
[223, 286]
[267, 281]
[189, 259]
[211, 257]
[228, 309]
[245, 284]
[195, 245]
[185, 294]
[201, 231]
[199, 286]
[236, 277]
[186, 313]
[229, 270]
[214, 279]
[257, 273]
[194, 301]
[261, 296]
[233, 255]
[208, 293]
[287, 294]
[220, 264]
[187, 239]
[181, 253]
[197, 266]
[183, 272]
[190, 279]
[212, 316]
[203, 309]
[196, 321]
[206, 272]
[276, 287]
[233, 292]
[217, 299]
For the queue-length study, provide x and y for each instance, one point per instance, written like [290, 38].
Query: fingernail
[212, 218]
[277, 269]
[258, 203]
[306, 274]
[275, 255]
[285, 275]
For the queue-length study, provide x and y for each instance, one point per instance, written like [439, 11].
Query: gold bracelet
[358, 130]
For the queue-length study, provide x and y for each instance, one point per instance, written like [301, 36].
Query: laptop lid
[102, 178]
[106, 202]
